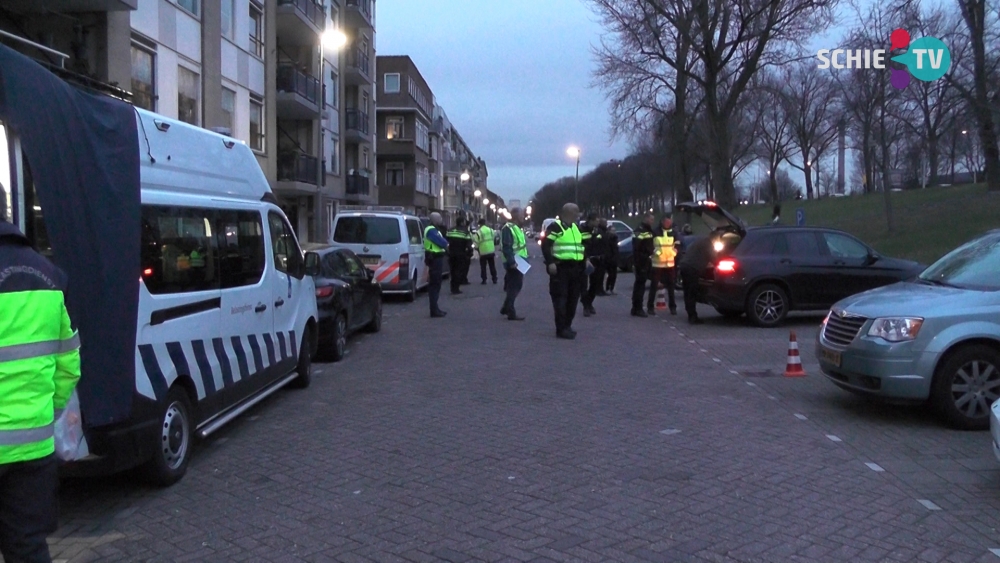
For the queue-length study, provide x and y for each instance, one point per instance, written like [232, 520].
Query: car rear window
[367, 230]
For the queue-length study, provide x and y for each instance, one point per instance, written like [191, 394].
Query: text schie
[855, 58]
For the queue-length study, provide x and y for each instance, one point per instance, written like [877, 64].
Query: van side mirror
[312, 264]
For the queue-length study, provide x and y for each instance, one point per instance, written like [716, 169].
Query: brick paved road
[476, 439]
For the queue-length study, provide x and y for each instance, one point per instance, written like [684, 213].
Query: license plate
[830, 356]
[370, 260]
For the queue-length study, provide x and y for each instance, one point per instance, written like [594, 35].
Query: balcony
[77, 6]
[357, 126]
[359, 69]
[300, 22]
[297, 172]
[297, 94]
[359, 13]
[358, 185]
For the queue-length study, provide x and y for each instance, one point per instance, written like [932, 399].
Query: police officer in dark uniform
[642, 257]
[593, 249]
[459, 254]
[610, 259]
[696, 258]
[563, 250]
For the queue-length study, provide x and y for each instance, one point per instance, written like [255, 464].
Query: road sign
[800, 217]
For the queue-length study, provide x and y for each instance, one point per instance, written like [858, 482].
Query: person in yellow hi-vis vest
[39, 368]
[664, 270]
[487, 251]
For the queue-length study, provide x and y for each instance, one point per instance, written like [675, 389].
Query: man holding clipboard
[515, 263]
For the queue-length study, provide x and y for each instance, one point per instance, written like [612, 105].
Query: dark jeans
[491, 260]
[435, 264]
[513, 281]
[612, 275]
[29, 509]
[565, 288]
[639, 287]
[666, 277]
[689, 278]
[458, 266]
[464, 263]
[594, 283]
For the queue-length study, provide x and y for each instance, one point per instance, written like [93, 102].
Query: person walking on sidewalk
[39, 368]
[642, 253]
[487, 251]
[593, 250]
[459, 253]
[513, 245]
[663, 272]
[435, 248]
[562, 248]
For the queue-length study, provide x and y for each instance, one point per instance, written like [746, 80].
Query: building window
[365, 103]
[256, 123]
[227, 19]
[365, 163]
[394, 173]
[143, 78]
[257, 30]
[394, 128]
[392, 83]
[187, 96]
[333, 161]
[333, 90]
[229, 109]
[189, 5]
[422, 139]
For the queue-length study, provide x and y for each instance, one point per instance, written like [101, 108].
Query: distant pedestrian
[593, 248]
[487, 251]
[459, 251]
[435, 247]
[562, 248]
[611, 259]
[513, 244]
[642, 254]
[662, 271]
[39, 368]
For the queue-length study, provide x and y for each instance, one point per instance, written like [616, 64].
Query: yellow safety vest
[520, 248]
[485, 236]
[567, 244]
[664, 253]
[429, 245]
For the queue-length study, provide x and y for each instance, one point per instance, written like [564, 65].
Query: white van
[389, 241]
[226, 312]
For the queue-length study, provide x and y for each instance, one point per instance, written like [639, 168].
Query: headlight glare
[896, 329]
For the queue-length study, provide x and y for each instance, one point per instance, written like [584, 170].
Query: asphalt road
[472, 438]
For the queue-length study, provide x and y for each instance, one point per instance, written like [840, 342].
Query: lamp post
[575, 152]
[335, 39]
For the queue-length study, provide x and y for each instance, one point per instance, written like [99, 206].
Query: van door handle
[260, 308]
[279, 302]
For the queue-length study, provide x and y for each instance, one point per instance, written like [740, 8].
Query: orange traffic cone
[661, 299]
[794, 366]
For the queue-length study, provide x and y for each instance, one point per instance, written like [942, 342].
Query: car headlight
[896, 329]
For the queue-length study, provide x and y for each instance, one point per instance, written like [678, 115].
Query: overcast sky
[513, 77]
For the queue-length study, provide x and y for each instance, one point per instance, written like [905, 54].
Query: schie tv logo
[926, 59]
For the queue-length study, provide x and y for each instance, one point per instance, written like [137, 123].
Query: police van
[200, 257]
[389, 241]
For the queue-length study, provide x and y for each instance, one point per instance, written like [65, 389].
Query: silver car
[934, 338]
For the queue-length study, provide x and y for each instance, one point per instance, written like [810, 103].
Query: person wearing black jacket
[695, 260]
[459, 254]
[593, 249]
[610, 259]
[642, 253]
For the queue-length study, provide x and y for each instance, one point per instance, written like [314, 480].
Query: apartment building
[258, 70]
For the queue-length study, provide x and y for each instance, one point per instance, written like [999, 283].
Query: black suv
[766, 272]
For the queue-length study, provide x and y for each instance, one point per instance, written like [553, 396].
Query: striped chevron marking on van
[387, 273]
[211, 364]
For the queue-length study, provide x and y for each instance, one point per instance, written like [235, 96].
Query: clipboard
[522, 265]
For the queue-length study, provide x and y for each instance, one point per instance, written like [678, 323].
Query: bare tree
[810, 104]
[772, 129]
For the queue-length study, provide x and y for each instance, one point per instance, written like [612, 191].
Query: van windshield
[367, 230]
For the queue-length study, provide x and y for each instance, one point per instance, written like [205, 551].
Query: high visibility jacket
[39, 350]
[197, 259]
[664, 251]
[485, 240]
[429, 245]
[567, 243]
[520, 248]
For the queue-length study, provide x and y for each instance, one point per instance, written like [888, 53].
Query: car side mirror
[872, 258]
[312, 264]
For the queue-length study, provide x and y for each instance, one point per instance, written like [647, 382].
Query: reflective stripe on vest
[17, 352]
[520, 248]
[429, 245]
[567, 245]
[664, 253]
[26, 435]
[486, 244]
[457, 233]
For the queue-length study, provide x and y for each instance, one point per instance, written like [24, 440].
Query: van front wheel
[174, 440]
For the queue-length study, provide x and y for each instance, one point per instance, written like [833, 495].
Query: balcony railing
[364, 6]
[291, 79]
[298, 167]
[357, 184]
[313, 11]
[359, 60]
[356, 120]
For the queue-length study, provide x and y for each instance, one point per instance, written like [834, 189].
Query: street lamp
[331, 38]
[575, 153]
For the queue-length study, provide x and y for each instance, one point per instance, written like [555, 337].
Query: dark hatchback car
[765, 272]
[348, 298]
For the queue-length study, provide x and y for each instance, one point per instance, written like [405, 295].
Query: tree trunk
[974, 13]
[773, 184]
[886, 174]
[933, 159]
[808, 173]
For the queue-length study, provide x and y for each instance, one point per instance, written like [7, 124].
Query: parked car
[995, 428]
[766, 272]
[348, 297]
[936, 337]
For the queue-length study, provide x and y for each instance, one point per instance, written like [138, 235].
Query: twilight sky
[513, 77]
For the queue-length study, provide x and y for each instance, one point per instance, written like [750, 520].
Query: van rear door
[376, 239]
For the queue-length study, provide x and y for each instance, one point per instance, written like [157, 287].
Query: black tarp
[83, 152]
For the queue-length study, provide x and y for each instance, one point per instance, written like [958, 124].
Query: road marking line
[833, 438]
[717, 360]
[995, 551]
[751, 384]
[772, 397]
[704, 350]
[801, 416]
[734, 372]
[928, 504]
[874, 467]
[670, 431]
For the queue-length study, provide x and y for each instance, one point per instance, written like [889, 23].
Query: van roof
[177, 157]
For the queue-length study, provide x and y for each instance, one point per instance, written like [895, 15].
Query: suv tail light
[726, 266]
[324, 291]
[404, 262]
